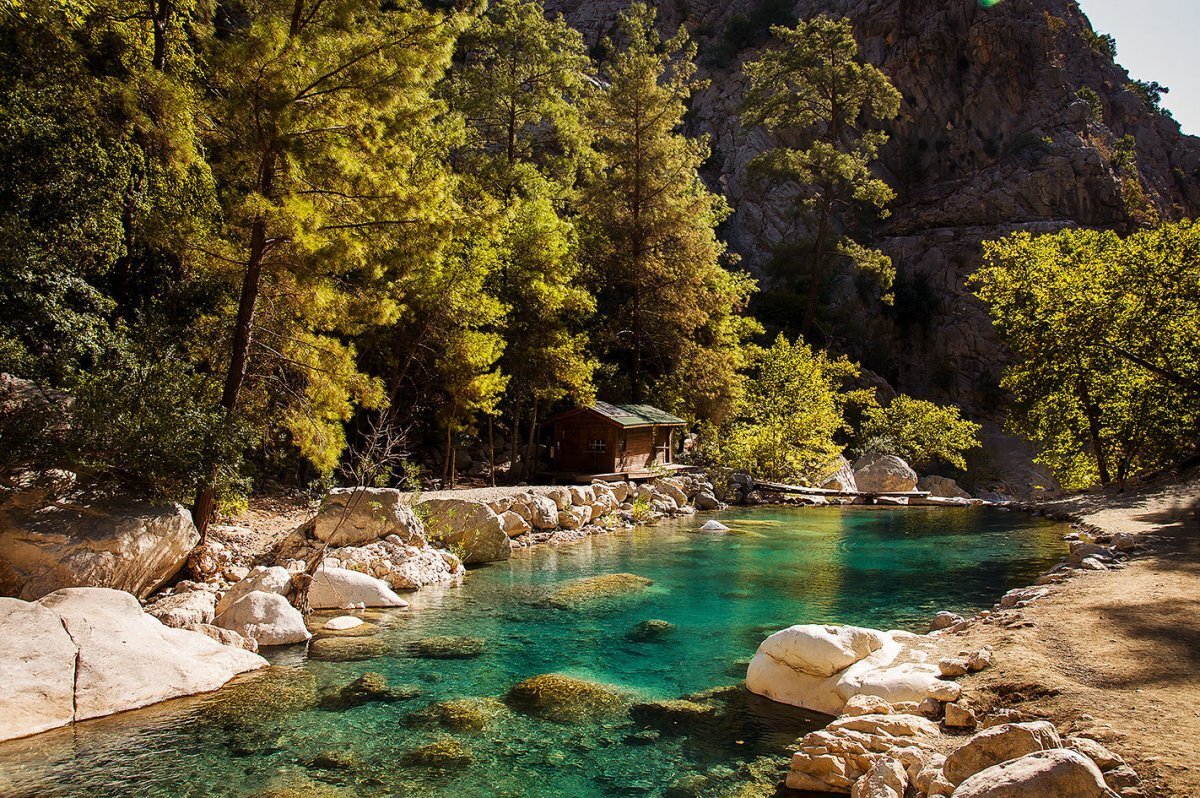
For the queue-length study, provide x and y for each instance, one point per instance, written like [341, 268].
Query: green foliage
[814, 84]
[920, 432]
[795, 409]
[149, 419]
[1151, 93]
[667, 310]
[1102, 44]
[1105, 332]
[1096, 106]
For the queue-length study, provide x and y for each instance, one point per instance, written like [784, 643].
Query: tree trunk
[491, 451]
[528, 468]
[516, 437]
[1093, 416]
[240, 350]
[818, 264]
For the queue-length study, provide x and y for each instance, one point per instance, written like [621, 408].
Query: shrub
[918, 431]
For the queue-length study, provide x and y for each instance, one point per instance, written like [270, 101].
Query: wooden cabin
[613, 441]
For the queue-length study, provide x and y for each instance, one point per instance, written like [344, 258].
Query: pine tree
[320, 126]
[667, 308]
[518, 82]
[813, 83]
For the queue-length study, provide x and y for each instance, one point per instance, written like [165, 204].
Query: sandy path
[1116, 655]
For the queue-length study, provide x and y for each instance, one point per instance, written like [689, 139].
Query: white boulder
[544, 511]
[884, 473]
[514, 523]
[713, 525]
[1055, 772]
[469, 527]
[820, 667]
[185, 610]
[342, 623]
[82, 653]
[999, 744]
[267, 618]
[275, 579]
[333, 588]
[357, 516]
[121, 545]
[37, 669]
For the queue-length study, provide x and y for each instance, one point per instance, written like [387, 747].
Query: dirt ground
[1116, 655]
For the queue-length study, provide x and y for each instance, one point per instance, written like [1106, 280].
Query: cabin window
[597, 445]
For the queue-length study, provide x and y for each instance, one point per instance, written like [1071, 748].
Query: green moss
[369, 688]
[447, 648]
[595, 589]
[461, 715]
[346, 649]
[263, 696]
[653, 629]
[565, 699]
[443, 753]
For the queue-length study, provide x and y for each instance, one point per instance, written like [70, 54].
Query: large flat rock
[82, 653]
[121, 545]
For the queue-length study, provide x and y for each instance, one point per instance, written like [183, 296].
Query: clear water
[723, 593]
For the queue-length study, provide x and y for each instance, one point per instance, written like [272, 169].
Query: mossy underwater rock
[263, 696]
[593, 590]
[460, 715]
[565, 699]
[370, 688]
[443, 753]
[447, 647]
[675, 716]
[346, 649]
[297, 787]
[653, 629]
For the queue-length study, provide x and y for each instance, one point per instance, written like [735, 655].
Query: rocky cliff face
[992, 137]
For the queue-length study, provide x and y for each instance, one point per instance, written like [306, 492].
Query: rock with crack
[999, 744]
[123, 545]
[820, 667]
[82, 653]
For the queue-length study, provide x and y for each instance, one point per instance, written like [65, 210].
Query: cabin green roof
[635, 415]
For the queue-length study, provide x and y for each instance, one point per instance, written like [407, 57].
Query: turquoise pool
[888, 568]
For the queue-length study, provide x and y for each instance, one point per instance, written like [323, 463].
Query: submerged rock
[262, 697]
[370, 688]
[443, 753]
[447, 647]
[565, 699]
[678, 716]
[595, 589]
[653, 629]
[460, 715]
[346, 649]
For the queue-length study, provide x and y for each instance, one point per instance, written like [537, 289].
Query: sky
[1156, 40]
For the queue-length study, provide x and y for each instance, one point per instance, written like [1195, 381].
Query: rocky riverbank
[77, 648]
[1092, 690]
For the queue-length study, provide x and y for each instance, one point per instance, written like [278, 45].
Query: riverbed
[718, 594]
